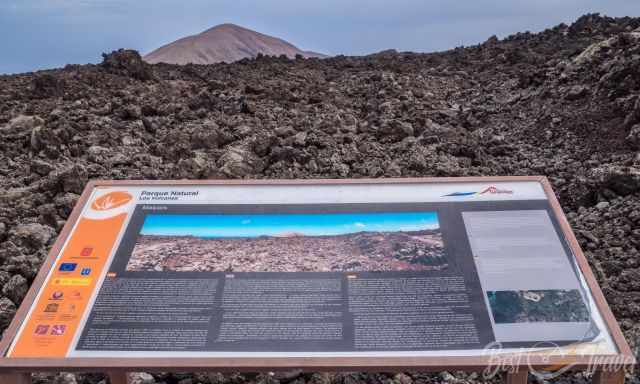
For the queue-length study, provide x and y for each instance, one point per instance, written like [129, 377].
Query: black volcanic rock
[564, 103]
[127, 62]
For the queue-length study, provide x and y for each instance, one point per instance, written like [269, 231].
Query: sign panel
[327, 268]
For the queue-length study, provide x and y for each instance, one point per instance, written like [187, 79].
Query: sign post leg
[518, 377]
[608, 377]
[15, 378]
[118, 377]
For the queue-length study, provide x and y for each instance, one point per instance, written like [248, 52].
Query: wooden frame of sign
[605, 368]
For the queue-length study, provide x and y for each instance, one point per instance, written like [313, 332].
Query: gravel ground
[363, 251]
[564, 103]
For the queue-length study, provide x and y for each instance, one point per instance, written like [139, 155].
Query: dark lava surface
[564, 103]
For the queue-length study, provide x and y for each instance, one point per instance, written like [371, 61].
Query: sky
[276, 224]
[39, 34]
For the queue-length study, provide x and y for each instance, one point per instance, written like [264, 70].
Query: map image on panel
[334, 242]
[533, 306]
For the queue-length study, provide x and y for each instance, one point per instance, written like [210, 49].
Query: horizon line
[285, 234]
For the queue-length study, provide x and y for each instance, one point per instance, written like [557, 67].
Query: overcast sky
[37, 34]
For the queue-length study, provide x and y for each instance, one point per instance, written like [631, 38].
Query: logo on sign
[492, 190]
[58, 330]
[86, 251]
[70, 281]
[85, 271]
[495, 190]
[67, 267]
[111, 200]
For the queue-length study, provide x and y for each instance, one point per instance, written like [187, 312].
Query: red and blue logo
[489, 190]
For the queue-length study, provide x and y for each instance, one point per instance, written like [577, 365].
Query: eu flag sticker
[67, 267]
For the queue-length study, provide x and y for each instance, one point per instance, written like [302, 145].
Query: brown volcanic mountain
[224, 43]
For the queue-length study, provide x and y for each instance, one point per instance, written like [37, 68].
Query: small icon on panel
[41, 329]
[111, 200]
[86, 251]
[57, 295]
[53, 307]
[75, 295]
[85, 271]
[67, 267]
[58, 330]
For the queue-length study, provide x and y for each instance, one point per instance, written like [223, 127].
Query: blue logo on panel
[85, 271]
[67, 267]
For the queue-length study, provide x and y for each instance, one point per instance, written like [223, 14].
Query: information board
[326, 268]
